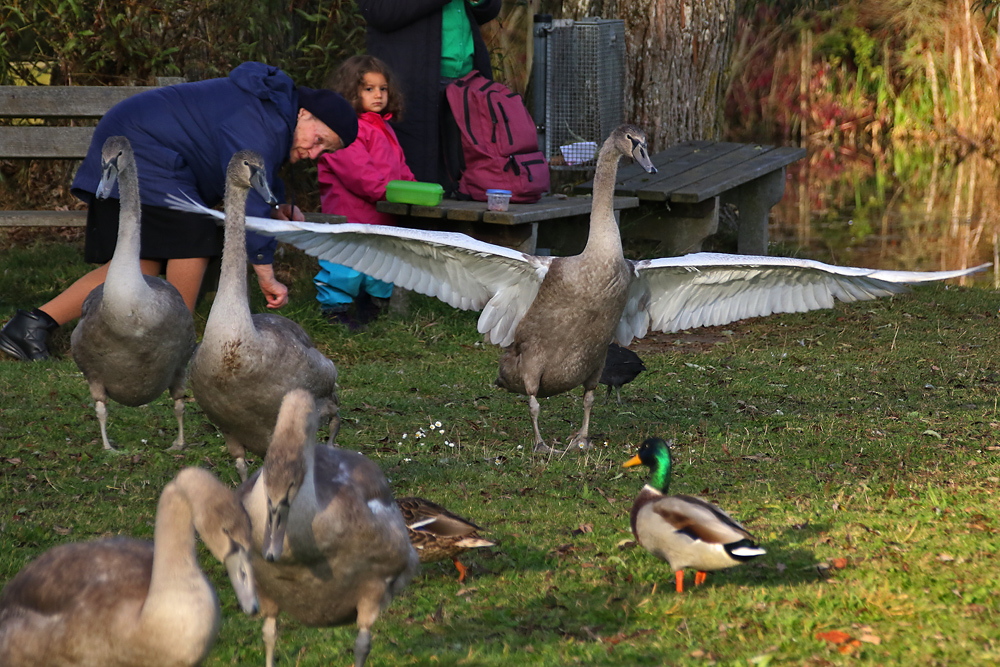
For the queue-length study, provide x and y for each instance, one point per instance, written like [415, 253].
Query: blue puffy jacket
[184, 136]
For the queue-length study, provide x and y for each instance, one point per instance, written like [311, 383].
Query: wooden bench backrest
[31, 103]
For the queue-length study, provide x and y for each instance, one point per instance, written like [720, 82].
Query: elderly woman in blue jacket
[183, 137]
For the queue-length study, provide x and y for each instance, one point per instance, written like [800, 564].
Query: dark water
[914, 210]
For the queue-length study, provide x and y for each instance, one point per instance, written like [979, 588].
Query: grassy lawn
[859, 444]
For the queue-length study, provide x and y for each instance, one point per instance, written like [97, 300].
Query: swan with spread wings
[555, 316]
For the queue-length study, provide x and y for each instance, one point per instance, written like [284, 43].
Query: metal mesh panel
[584, 87]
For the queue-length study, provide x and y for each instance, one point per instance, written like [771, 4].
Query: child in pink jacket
[353, 179]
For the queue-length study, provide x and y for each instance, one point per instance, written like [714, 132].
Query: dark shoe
[25, 335]
[341, 316]
[370, 307]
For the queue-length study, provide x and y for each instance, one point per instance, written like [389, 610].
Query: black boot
[370, 307]
[25, 335]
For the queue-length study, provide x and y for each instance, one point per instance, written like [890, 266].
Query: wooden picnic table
[517, 227]
[694, 179]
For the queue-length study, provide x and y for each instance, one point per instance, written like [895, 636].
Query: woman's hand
[274, 291]
[287, 212]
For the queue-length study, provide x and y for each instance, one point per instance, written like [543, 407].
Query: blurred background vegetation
[122, 42]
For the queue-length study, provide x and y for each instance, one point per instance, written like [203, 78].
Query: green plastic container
[414, 192]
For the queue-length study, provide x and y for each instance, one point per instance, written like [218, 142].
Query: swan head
[116, 155]
[247, 170]
[224, 527]
[630, 140]
[285, 466]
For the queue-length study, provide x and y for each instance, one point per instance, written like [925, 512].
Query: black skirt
[166, 233]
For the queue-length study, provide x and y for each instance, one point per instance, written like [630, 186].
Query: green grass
[859, 444]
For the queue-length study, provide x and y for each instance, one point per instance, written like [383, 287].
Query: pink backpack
[499, 141]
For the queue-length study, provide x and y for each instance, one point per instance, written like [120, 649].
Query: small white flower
[407, 460]
[520, 446]
[441, 431]
[438, 424]
[451, 444]
[404, 436]
[144, 441]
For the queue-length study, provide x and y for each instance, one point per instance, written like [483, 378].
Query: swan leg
[581, 441]
[240, 454]
[699, 577]
[679, 575]
[540, 447]
[178, 444]
[368, 610]
[534, 409]
[270, 634]
[334, 428]
[102, 418]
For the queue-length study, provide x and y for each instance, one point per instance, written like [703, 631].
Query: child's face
[374, 92]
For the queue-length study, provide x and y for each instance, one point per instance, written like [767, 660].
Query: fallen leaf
[61, 530]
[839, 563]
[871, 639]
[932, 433]
[584, 528]
[945, 558]
[697, 653]
[833, 636]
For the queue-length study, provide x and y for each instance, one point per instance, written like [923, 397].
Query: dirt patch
[701, 340]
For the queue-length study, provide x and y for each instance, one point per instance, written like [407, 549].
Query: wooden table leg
[754, 201]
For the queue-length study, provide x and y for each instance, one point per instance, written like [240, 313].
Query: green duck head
[655, 455]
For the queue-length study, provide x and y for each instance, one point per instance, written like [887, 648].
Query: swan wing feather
[457, 269]
[707, 289]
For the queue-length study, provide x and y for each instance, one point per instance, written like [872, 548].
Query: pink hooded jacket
[352, 179]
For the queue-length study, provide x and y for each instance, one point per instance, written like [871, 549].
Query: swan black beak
[241, 576]
[641, 155]
[258, 179]
[274, 531]
[109, 174]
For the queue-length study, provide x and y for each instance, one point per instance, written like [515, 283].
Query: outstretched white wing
[706, 289]
[455, 268]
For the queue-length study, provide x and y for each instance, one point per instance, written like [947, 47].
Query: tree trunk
[677, 59]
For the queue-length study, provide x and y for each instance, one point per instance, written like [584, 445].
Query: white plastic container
[497, 200]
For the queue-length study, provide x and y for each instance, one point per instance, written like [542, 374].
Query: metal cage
[579, 78]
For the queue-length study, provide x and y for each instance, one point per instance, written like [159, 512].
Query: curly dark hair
[351, 75]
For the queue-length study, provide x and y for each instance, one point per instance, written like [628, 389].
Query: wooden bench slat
[662, 160]
[679, 159]
[662, 188]
[548, 208]
[744, 172]
[45, 142]
[63, 101]
[43, 218]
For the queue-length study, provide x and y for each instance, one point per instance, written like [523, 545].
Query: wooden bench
[694, 179]
[26, 138]
[517, 227]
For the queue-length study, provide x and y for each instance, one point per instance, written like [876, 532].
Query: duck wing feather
[699, 519]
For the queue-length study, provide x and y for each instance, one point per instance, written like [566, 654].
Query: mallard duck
[683, 530]
[247, 363]
[135, 335]
[554, 316]
[438, 534]
[621, 367]
[124, 602]
[330, 545]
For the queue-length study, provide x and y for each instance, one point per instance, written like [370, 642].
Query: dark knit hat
[336, 112]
